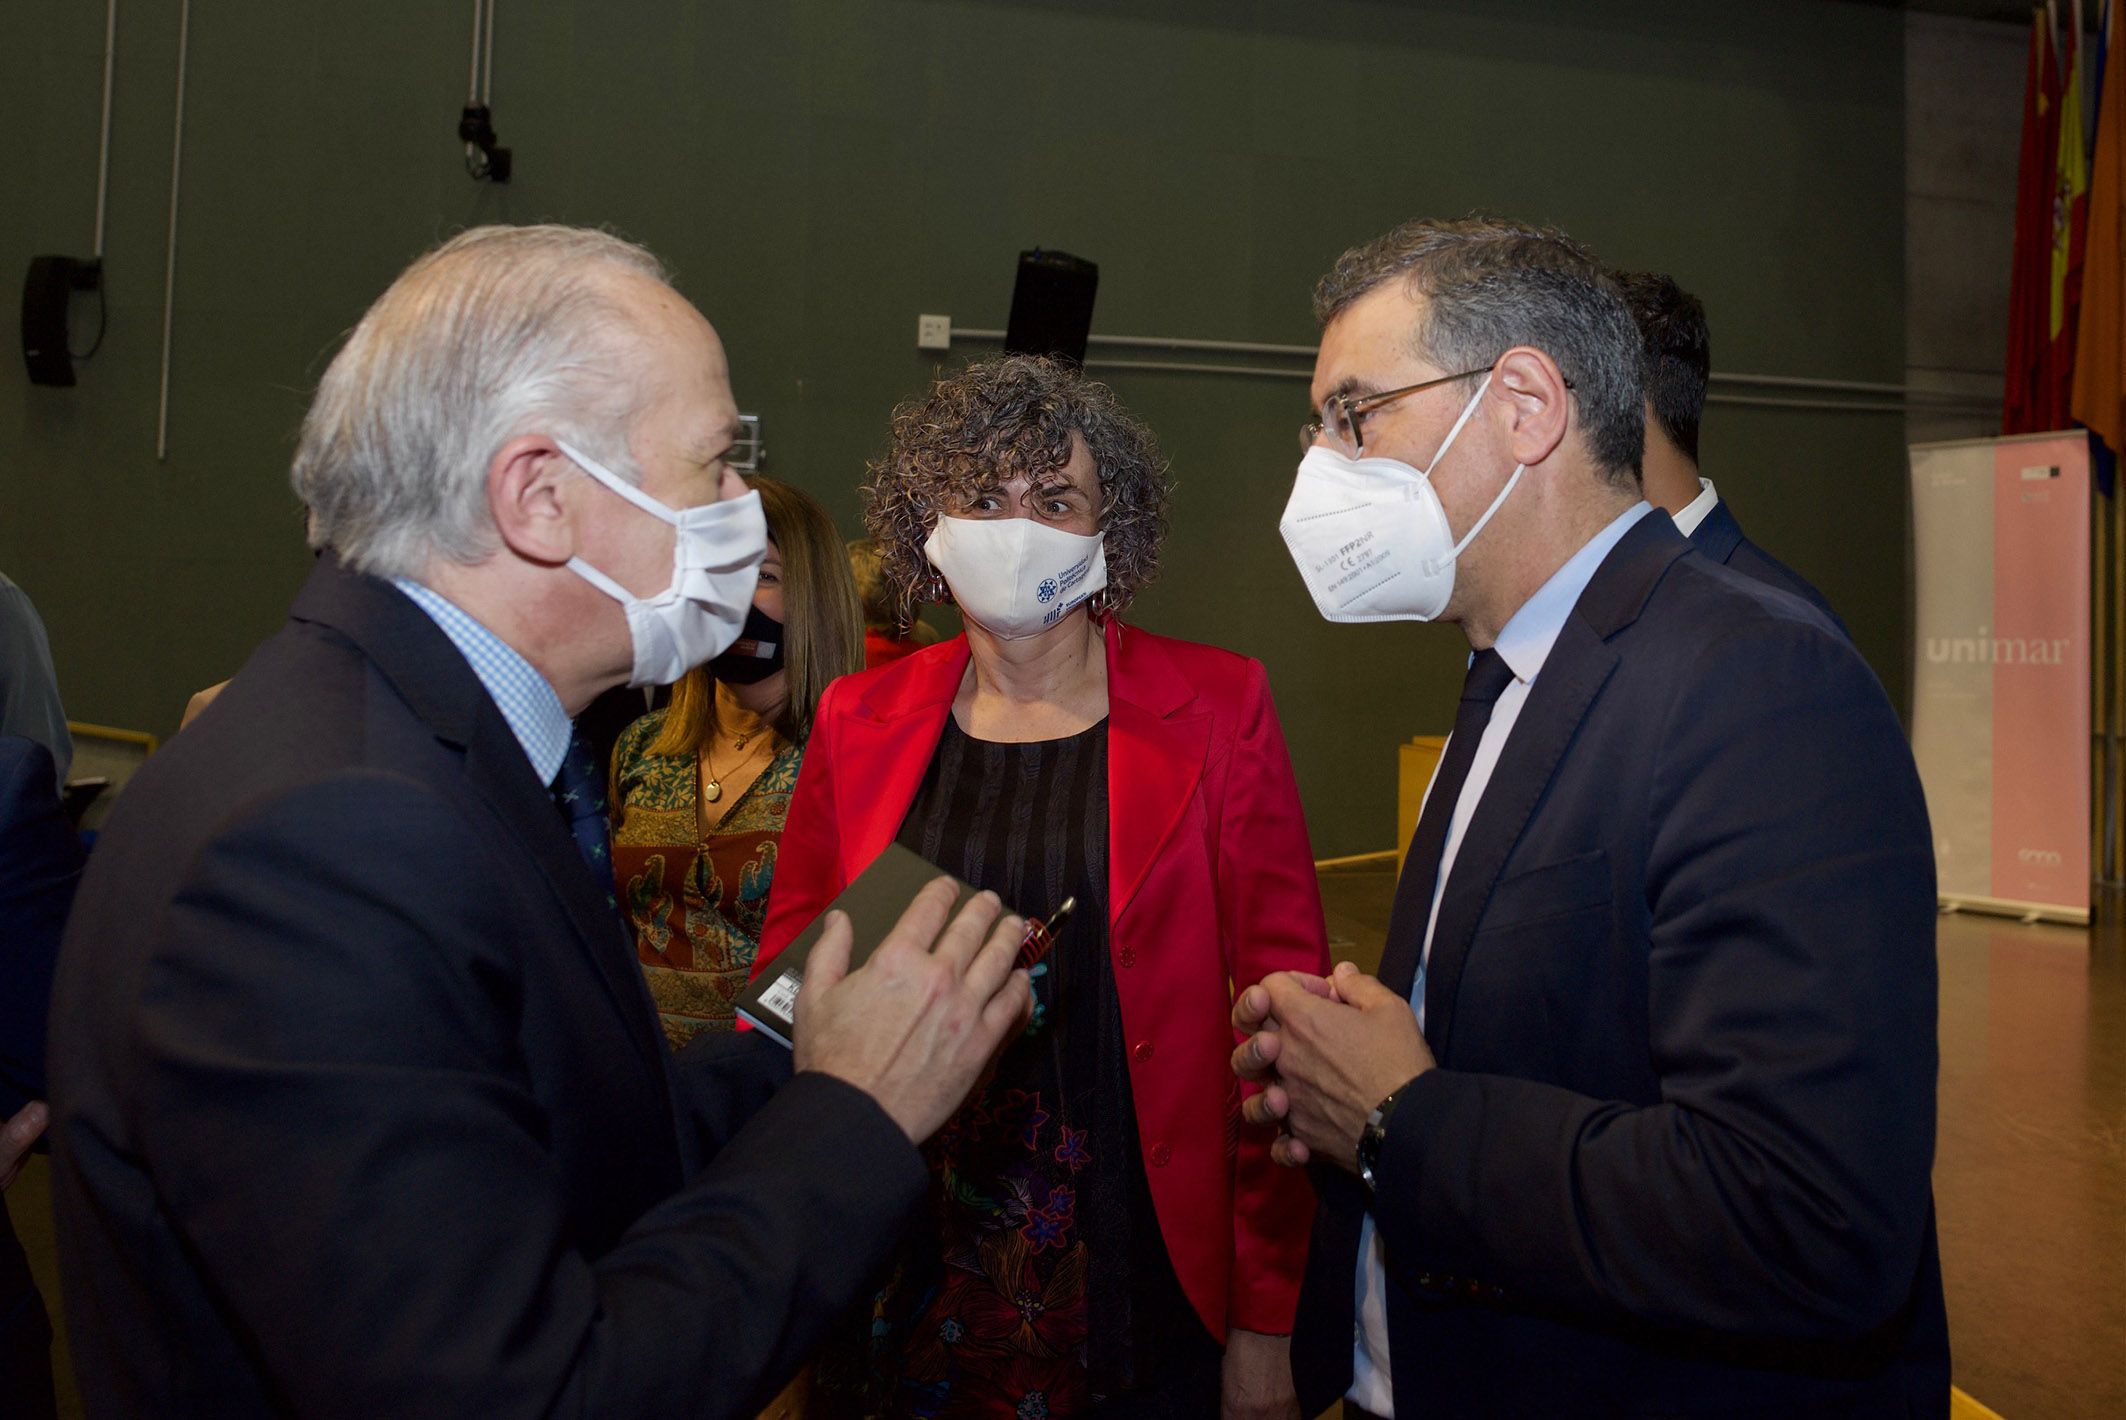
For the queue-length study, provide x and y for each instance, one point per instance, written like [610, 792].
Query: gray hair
[500, 331]
[1491, 284]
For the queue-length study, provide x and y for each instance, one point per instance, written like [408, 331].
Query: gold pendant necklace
[712, 785]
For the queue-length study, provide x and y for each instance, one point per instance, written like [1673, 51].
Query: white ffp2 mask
[1369, 536]
[716, 554]
[1014, 576]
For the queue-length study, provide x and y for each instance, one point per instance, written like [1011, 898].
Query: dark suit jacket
[1682, 993]
[40, 864]
[1719, 537]
[361, 1109]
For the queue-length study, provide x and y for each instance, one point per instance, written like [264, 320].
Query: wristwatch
[1373, 1136]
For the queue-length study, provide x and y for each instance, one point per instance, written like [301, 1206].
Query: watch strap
[1373, 1136]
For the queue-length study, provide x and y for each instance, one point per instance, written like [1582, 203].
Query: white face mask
[1369, 535]
[1014, 576]
[716, 553]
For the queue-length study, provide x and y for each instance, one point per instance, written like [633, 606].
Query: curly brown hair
[1001, 418]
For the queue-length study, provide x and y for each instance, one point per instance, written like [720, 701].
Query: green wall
[818, 173]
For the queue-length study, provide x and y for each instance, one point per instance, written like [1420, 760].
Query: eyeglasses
[1340, 413]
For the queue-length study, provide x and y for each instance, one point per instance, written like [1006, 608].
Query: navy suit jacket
[1682, 994]
[1719, 537]
[40, 865]
[360, 1105]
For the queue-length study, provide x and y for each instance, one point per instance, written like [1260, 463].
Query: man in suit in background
[1679, 360]
[1639, 1117]
[359, 1106]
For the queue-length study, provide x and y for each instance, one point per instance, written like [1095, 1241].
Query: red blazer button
[1161, 1156]
[1143, 1052]
[1127, 956]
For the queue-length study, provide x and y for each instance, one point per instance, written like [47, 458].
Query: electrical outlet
[933, 332]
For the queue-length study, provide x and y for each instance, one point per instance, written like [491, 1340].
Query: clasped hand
[1326, 1050]
[914, 1027]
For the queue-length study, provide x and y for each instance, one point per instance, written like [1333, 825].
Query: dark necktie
[581, 797]
[1488, 676]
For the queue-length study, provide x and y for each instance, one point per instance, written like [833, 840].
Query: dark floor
[2030, 1171]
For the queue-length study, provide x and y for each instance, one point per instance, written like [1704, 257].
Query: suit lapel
[496, 766]
[1156, 745]
[1579, 663]
[1572, 674]
[1155, 748]
[426, 670]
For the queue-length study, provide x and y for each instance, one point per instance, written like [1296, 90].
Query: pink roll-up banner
[2001, 669]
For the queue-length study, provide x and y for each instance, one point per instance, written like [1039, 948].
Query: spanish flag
[2070, 221]
[2099, 399]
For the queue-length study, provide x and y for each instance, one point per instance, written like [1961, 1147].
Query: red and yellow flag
[2070, 216]
[2025, 403]
[2099, 394]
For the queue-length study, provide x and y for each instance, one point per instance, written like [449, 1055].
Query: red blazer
[881, 649]
[1211, 886]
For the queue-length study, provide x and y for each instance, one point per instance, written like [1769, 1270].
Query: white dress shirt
[1524, 643]
[1693, 513]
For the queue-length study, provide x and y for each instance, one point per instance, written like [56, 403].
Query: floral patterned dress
[1039, 1284]
[695, 905]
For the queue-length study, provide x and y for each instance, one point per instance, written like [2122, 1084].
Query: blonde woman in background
[700, 787]
[887, 637]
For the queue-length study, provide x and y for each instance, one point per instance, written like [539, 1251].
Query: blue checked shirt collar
[528, 704]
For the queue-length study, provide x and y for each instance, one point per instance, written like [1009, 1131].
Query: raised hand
[914, 1027]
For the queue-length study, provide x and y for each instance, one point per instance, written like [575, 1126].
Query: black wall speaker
[1052, 305]
[46, 292]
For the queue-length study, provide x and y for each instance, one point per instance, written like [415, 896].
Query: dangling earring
[1101, 607]
[935, 589]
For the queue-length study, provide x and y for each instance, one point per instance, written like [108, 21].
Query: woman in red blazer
[1105, 1231]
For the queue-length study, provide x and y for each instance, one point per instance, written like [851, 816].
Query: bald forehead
[656, 309]
[680, 363]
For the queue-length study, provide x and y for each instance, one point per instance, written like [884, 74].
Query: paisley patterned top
[696, 907]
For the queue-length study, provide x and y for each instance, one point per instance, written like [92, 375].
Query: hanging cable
[103, 154]
[94, 275]
[485, 160]
[169, 269]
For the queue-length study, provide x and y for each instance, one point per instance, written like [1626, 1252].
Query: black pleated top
[1042, 1279]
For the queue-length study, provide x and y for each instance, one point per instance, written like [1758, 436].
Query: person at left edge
[40, 866]
[358, 1103]
[1101, 1174]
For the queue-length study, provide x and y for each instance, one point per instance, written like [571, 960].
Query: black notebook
[874, 902]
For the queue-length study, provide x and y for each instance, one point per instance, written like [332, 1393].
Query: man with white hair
[360, 1108]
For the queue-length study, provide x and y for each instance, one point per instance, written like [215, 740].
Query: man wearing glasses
[1638, 1117]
